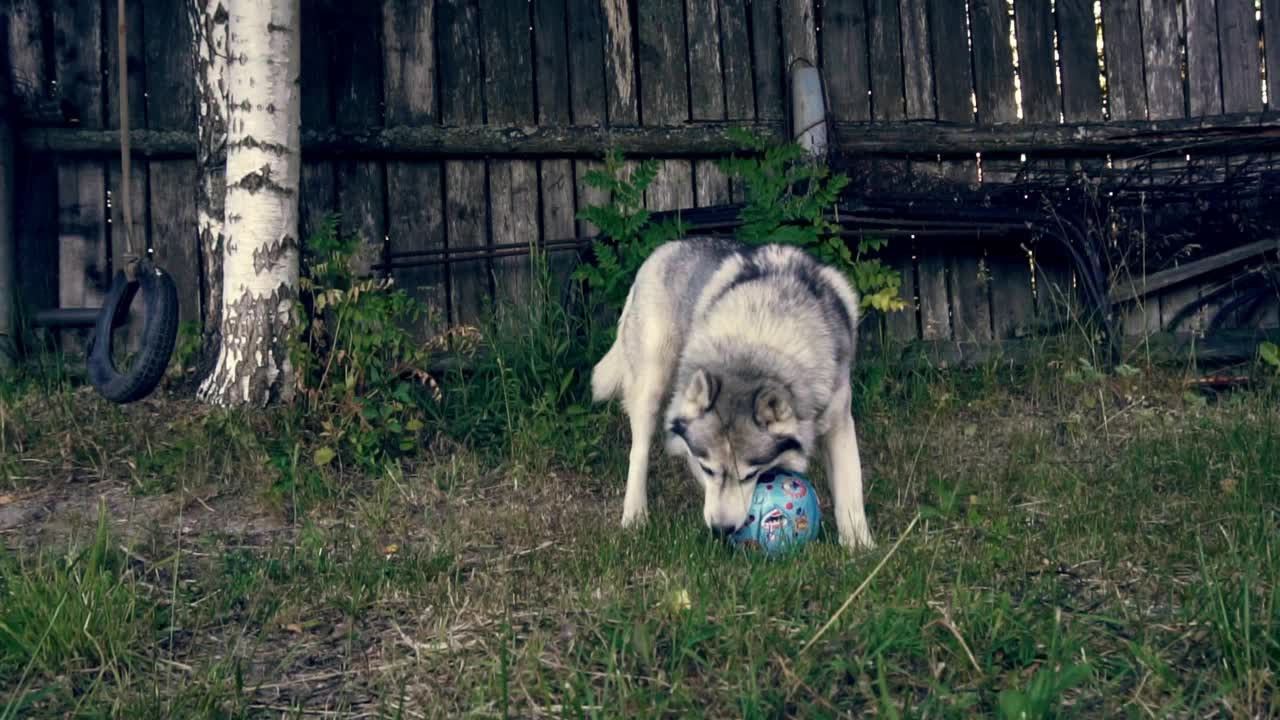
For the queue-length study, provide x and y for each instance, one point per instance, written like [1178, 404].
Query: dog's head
[731, 430]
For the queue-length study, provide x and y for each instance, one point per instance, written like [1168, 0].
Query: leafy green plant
[361, 378]
[627, 236]
[1269, 353]
[788, 200]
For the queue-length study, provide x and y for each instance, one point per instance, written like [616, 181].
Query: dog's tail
[609, 373]
[606, 378]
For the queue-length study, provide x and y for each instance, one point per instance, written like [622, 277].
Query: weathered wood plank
[318, 190]
[171, 184]
[735, 44]
[77, 41]
[1011, 299]
[664, 97]
[1122, 38]
[555, 177]
[935, 308]
[901, 326]
[1271, 25]
[83, 250]
[1241, 64]
[620, 63]
[1233, 133]
[415, 195]
[953, 74]
[1204, 76]
[509, 100]
[1036, 65]
[1161, 38]
[82, 242]
[1056, 300]
[712, 184]
[36, 225]
[173, 229]
[588, 98]
[844, 59]
[766, 49]
[1078, 61]
[462, 103]
[134, 61]
[970, 298]
[136, 218]
[919, 71]
[706, 76]
[799, 33]
[26, 48]
[993, 62]
[888, 100]
[356, 77]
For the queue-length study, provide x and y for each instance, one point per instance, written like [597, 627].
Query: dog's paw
[634, 517]
[856, 537]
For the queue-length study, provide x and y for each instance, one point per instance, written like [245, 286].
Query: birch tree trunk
[209, 31]
[260, 252]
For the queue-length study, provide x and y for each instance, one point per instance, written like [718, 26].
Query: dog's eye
[707, 470]
[751, 476]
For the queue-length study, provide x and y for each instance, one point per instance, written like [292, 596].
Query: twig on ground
[866, 581]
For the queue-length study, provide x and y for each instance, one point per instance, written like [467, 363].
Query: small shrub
[627, 236]
[361, 377]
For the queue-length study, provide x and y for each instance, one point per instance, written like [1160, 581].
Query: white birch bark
[260, 252]
[209, 31]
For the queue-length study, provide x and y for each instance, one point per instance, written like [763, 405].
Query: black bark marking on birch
[249, 141]
[261, 180]
[253, 326]
[269, 256]
[274, 28]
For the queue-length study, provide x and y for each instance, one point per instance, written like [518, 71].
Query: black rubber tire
[159, 334]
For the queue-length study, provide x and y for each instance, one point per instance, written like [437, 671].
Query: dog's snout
[723, 529]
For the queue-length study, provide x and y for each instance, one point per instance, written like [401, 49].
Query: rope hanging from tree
[126, 177]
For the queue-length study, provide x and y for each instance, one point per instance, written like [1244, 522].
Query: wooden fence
[436, 125]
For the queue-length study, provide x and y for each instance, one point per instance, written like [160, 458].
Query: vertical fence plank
[844, 59]
[513, 184]
[356, 72]
[664, 98]
[993, 63]
[318, 188]
[918, 70]
[1078, 61]
[766, 44]
[83, 254]
[1161, 40]
[799, 33]
[36, 209]
[1122, 38]
[620, 63]
[706, 92]
[1241, 63]
[1204, 89]
[735, 44]
[415, 213]
[1271, 25]
[589, 101]
[953, 77]
[555, 177]
[462, 103]
[901, 326]
[888, 100]
[1036, 65]
[170, 103]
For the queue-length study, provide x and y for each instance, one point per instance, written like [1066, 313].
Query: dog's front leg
[844, 473]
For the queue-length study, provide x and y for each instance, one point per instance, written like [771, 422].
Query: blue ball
[784, 514]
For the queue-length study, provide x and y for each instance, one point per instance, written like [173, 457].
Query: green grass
[1087, 545]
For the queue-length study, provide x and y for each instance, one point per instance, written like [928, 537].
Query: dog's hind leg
[844, 473]
[642, 397]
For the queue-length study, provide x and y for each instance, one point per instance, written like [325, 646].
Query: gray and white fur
[750, 349]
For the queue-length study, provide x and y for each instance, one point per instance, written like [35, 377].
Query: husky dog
[750, 349]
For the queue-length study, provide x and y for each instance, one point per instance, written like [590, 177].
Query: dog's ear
[700, 394]
[772, 407]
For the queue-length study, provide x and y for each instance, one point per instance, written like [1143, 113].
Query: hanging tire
[159, 333]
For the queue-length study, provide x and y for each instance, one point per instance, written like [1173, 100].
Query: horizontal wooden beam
[697, 139]
[1218, 134]
[1222, 133]
[1158, 281]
